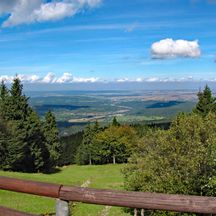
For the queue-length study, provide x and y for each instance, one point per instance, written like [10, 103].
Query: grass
[104, 176]
[138, 118]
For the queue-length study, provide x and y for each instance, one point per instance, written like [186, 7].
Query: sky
[120, 41]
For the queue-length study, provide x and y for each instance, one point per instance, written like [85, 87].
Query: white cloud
[152, 79]
[28, 78]
[169, 48]
[6, 78]
[123, 80]
[139, 79]
[66, 77]
[91, 79]
[49, 78]
[31, 11]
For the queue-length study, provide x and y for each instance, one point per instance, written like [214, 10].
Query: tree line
[27, 143]
[180, 160]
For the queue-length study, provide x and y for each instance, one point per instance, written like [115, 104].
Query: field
[104, 176]
[75, 109]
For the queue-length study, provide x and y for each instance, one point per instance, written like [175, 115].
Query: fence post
[62, 208]
[135, 212]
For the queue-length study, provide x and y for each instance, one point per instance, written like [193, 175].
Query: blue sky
[108, 40]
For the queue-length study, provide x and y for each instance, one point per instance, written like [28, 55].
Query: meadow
[103, 176]
[74, 110]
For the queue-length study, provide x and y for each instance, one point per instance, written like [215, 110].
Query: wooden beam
[11, 212]
[140, 200]
[30, 187]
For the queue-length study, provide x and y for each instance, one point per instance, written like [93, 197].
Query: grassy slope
[106, 176]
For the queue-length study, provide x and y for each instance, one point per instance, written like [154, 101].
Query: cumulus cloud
[81, 79]
[169, 48]
[66, 77]
[123, 80]
[160, 79]
[49, 78]
[31, 11]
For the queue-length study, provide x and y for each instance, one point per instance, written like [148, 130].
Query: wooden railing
[136, 200]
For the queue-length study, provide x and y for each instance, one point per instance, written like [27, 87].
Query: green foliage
[52, 140]
[38, 151]
[107, 145]
[4, 141]
[206, 102]
[114, 144]
[23, 143]
[180, 160]
[115, 122]
[69, 145]
[87, 148]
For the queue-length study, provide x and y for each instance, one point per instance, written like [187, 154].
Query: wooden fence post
[135, 212]
[62, 208]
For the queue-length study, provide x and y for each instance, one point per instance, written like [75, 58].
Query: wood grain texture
[10, 212]
[30, 187]
[139, 200]
[157, 201]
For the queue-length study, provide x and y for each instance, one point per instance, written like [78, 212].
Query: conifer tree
[115, 122]
[17, 148]
[12, 108]
[18, 108]
[4, 99]
[37, 159]
[52, 138]
[86, 151]
[29, 147]
[4, 136]
[206, 102]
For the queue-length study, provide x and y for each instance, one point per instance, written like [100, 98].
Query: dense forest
[26, 143]
[172, 158]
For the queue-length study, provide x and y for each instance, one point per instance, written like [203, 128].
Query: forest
[178, 158]
[27, 144]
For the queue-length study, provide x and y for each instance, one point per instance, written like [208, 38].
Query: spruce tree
[4, 100]
[86, 151]
[4, 137]
[25, 146]
[206, 102]
[115, 122]
[18, 149]
[18, 108]
[52, 141]
[38, 153]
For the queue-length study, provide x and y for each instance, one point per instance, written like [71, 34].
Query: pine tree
[17, 148]
[86, 151]
[52, 138]
[18, 108]
[206, 102]
[4, 137]
[29, 147]
[36, 142]
[4, 99]
[115, 122]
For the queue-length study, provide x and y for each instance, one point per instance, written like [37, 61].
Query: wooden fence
[136, 200]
